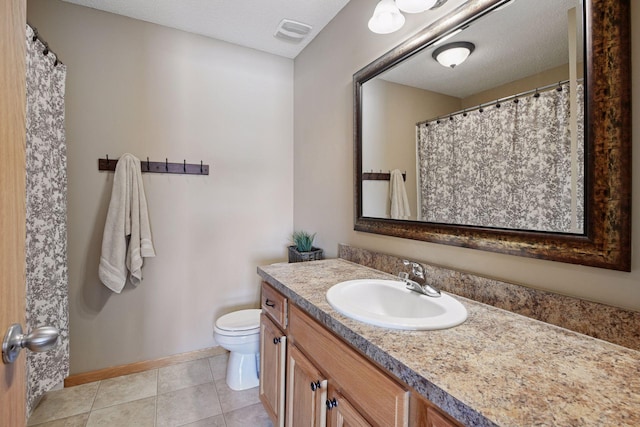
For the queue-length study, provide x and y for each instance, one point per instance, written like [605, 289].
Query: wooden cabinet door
[272, 369]
[306, 392]
[342, 413]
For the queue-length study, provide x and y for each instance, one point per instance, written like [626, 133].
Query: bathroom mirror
[431, 101]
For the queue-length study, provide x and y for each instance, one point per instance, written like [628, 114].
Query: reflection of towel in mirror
[127, 220]
[398, 194]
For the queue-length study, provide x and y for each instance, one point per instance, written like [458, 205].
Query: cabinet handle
[332, 403]
[269, 303]
[276, 341]
[315, 385]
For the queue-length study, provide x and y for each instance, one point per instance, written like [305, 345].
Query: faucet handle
[416, 269]
[403, 275]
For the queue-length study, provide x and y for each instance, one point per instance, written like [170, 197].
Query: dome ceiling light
[453, 54]
[415, 6]
[387, 17]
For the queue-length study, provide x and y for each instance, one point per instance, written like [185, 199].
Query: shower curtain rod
[499, 100]
[46, 50]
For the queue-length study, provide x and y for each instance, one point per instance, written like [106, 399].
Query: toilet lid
[241, 320]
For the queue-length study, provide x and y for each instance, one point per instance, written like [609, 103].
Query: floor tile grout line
[215, 387]
[115, 404]
[93, 401]
[60, 419]
[155, 412]
[210, 367]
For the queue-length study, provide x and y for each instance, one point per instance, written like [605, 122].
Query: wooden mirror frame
[606, 242]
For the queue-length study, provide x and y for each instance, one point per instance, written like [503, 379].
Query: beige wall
[323, 156]
[547, 77]
[153, 91]
[390, 114]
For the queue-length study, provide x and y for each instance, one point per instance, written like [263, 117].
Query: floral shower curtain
[507, 166]
[46, 240]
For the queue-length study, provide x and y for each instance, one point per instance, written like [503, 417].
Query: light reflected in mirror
[498, 141]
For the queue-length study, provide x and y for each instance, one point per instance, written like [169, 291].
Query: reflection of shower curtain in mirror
[507, 167]
[46, 239]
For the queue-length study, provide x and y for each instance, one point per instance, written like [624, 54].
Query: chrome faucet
[417, 272]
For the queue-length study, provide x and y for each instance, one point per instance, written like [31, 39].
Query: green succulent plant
[303, 241]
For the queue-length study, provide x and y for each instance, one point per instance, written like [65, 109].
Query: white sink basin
[389, 304]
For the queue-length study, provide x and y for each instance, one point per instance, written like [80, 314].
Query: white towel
[398, 194]
[127, 232]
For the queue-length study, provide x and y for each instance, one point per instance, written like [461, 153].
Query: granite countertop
[496, 369]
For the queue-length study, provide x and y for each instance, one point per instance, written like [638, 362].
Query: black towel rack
[380, 176]
[183, 168]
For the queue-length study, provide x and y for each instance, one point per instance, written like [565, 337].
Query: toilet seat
[239, 323]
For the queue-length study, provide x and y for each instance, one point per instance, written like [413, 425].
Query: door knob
[40, 339]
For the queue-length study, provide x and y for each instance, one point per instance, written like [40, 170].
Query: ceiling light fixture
[387, 17]
[415, 6]
[453, 54]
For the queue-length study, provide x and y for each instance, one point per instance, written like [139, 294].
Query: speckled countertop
[497, 368]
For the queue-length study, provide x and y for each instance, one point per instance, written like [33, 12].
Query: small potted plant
[302, 248]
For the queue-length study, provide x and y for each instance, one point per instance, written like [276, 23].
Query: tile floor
[191, 394]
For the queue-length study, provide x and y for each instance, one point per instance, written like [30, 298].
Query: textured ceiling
[249, 23]
[521, 39]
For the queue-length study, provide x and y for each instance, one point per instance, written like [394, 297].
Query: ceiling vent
[292, 31]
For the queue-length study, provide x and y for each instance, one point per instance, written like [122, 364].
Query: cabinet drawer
[372, 392]
[274, 304]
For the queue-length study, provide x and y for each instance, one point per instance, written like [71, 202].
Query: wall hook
[157, 167]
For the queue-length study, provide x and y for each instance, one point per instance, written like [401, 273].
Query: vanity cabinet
[324, 381]
[372, 393]
[273, 346]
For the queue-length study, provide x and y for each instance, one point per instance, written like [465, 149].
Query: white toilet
[239, 332]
